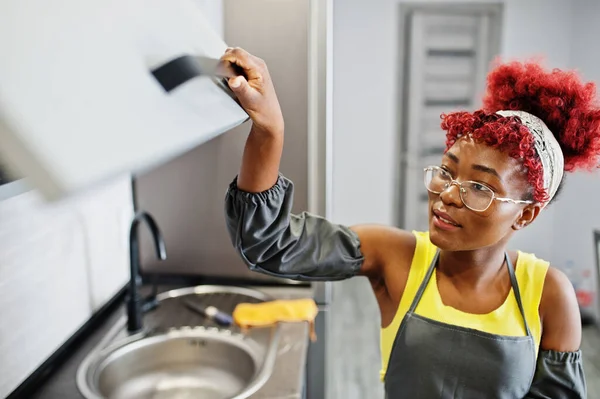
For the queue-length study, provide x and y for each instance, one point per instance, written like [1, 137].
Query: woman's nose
[451, 195]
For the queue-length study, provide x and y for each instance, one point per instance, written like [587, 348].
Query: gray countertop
[286, 381]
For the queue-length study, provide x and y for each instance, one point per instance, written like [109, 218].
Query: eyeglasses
[476, 196]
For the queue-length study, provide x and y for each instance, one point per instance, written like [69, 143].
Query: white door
[448, 53]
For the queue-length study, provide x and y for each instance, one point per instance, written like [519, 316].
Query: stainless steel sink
[181, 361]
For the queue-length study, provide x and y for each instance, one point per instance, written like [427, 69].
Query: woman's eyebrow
[481, 168]
[486, 169]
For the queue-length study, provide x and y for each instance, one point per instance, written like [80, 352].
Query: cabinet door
[78, 101]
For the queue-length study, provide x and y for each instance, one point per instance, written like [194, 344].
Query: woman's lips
[443, 221]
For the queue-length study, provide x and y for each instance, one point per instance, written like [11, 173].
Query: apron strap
[515, 287]
[513, 282]
[423, 285]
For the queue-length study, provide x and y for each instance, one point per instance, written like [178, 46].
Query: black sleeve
[272, 240]
[558, 375]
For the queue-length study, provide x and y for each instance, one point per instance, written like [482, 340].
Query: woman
[461, 316]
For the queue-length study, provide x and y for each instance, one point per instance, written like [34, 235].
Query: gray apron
[431, 360]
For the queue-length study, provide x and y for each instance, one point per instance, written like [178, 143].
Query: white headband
[547, 147]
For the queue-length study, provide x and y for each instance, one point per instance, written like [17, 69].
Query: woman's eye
[445, 173]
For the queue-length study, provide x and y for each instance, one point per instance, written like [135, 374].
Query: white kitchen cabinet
[78, 102]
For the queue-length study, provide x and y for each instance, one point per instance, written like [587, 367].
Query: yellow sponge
[264, 314]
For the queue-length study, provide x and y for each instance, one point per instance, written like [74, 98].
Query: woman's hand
[256, 94]
[262, 153]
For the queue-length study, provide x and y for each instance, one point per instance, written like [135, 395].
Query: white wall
[364, 89]
[535, 28]
[575, 215]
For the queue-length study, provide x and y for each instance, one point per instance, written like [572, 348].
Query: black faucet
[136, 305]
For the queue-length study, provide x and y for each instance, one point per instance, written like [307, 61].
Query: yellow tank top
[505, 320]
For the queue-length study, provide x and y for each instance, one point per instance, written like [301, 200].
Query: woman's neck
[472, 268]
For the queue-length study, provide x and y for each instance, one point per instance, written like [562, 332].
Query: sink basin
[194, 364]
[180, 362]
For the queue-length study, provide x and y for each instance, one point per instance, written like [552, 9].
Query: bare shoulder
[559, 311]
[382, 245]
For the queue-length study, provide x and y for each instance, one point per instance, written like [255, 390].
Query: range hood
[79, 103]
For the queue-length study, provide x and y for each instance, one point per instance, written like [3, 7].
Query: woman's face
[468, 160]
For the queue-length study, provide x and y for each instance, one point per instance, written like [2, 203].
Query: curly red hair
[559, 98]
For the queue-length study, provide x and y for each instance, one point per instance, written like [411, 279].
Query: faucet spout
[134, 300]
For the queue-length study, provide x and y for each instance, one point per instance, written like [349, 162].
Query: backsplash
[59, 263]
